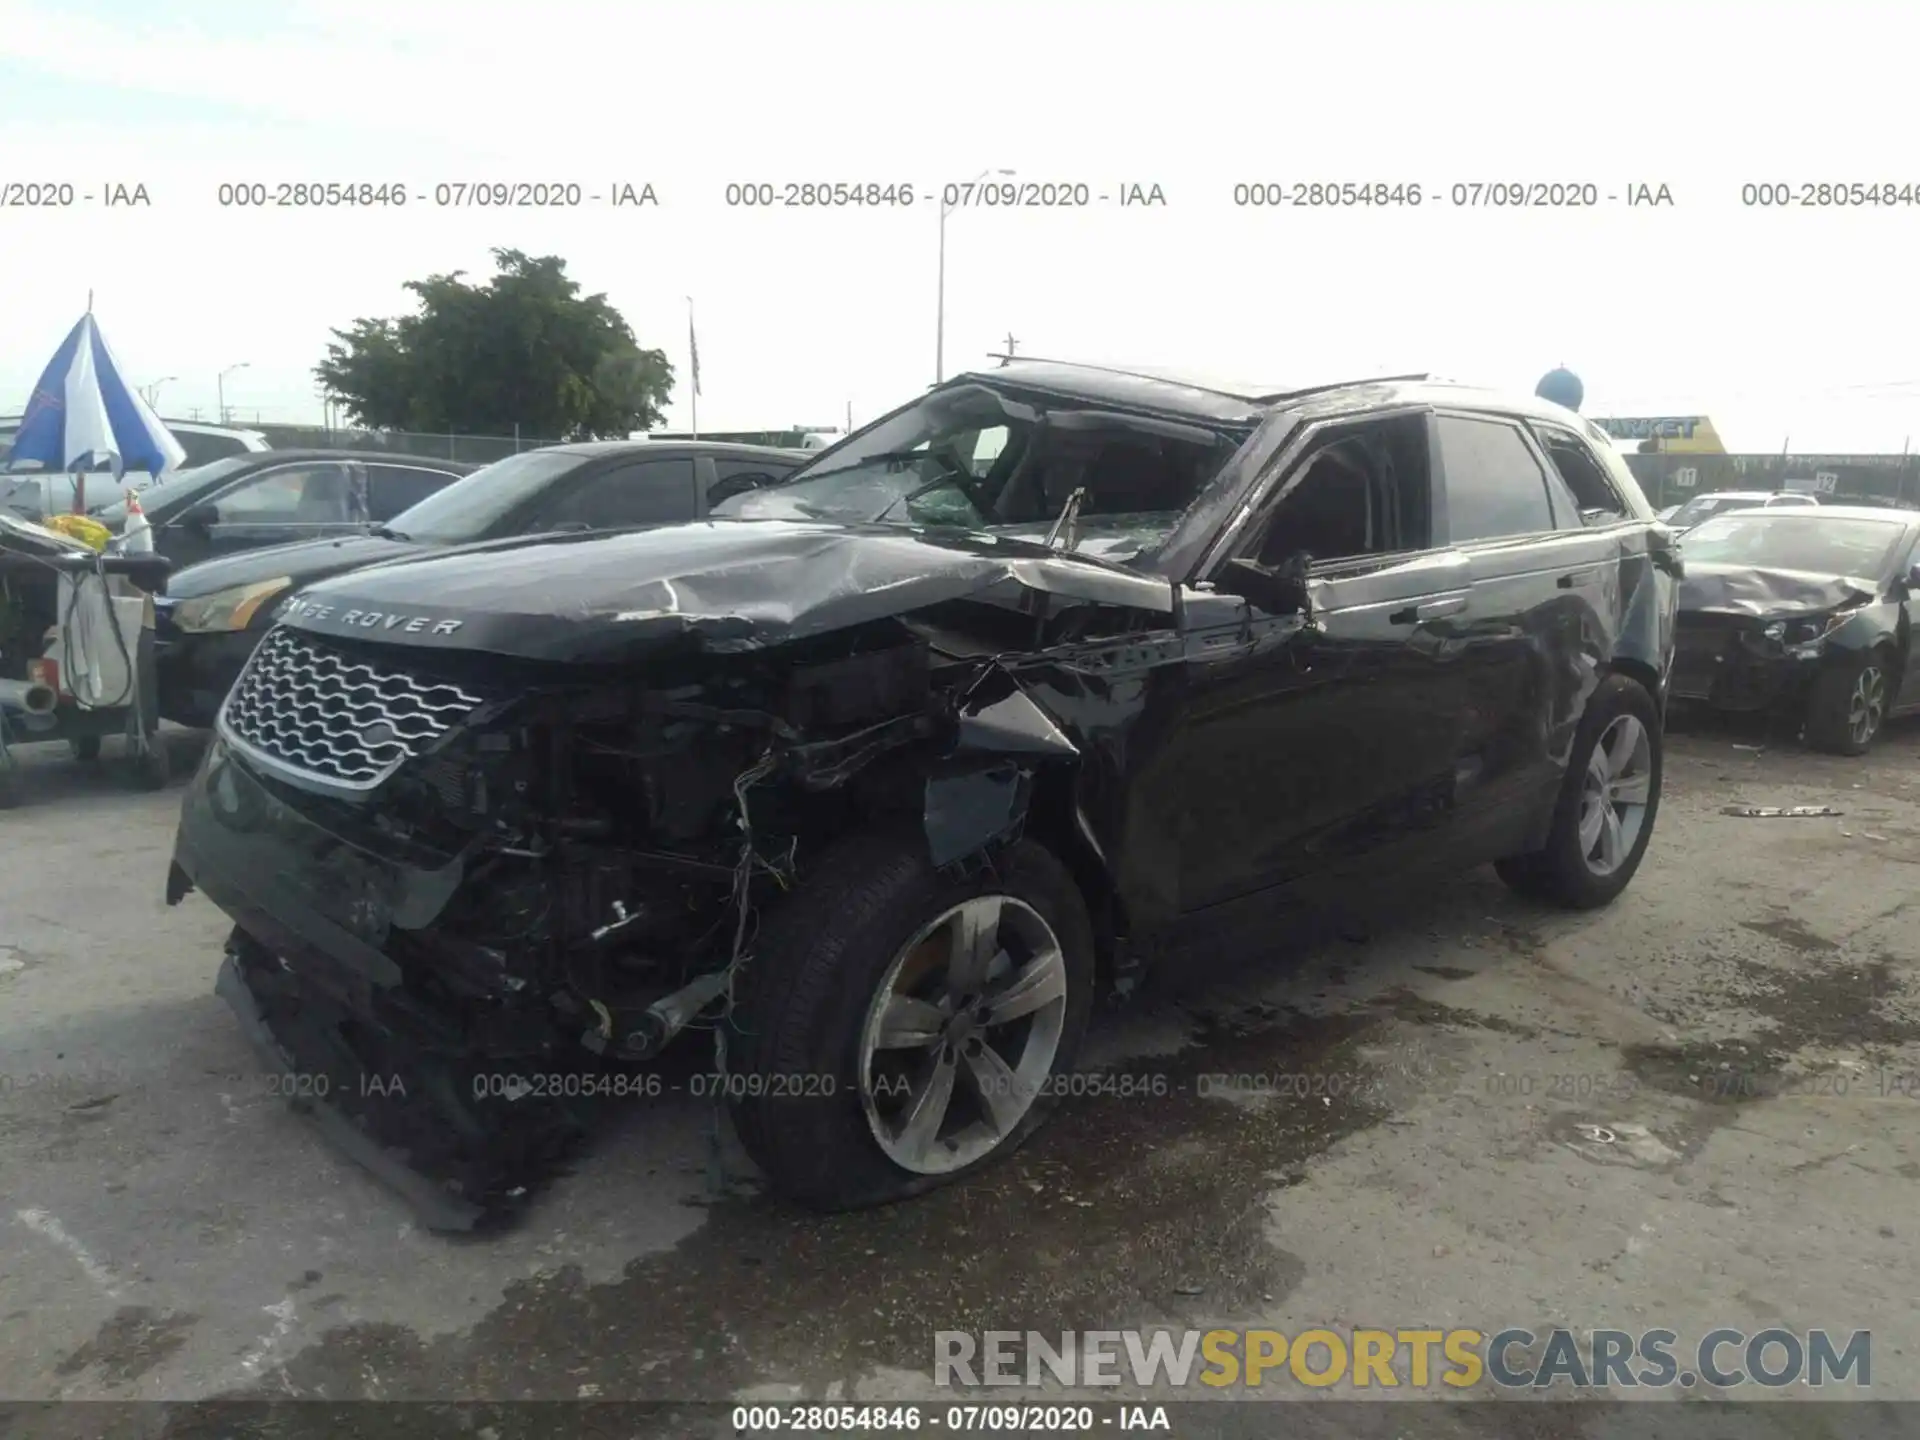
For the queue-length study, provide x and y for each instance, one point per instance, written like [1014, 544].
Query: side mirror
[1277, 592]
[201, 518]
[1913, 579]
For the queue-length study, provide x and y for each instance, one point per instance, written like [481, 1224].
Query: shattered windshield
[1815, 543]
[974, 458]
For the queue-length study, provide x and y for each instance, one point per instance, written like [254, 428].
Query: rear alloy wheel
[900, 1026]
[1849, 705]
[1608, 800]
[1615, 795]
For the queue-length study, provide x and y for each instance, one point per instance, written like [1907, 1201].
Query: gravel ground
[1743, 1024]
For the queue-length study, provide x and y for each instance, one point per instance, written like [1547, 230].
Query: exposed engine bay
[582, 866]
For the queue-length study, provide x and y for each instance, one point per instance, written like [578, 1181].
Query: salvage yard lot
[1744, 1024]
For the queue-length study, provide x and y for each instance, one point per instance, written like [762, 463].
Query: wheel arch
[1641, 673]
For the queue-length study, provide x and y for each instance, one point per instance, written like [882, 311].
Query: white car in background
[31, 492]
[1705, 507]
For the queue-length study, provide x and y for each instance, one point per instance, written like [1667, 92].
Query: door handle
[1429, 610]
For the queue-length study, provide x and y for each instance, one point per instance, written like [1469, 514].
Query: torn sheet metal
[1729, 590]
[729, 584]
[998, 716]
[1778, 812]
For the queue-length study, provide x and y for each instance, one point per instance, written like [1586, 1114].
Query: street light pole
[153, 392]
[220, 388]
[940, 315]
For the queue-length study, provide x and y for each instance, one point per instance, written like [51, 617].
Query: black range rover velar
[874, 779]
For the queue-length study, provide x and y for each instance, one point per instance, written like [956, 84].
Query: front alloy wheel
[898, 1025]
[1849, 705]
[1867, 705]
[962, 1034]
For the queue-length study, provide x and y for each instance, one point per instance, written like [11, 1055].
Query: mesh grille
[335, 716]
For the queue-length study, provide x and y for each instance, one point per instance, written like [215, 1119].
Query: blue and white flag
[83, 414]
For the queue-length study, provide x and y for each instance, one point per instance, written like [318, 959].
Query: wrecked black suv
[1051, 676]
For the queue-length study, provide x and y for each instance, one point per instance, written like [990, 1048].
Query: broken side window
[1365, 490]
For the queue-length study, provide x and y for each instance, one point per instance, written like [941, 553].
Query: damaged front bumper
[432, 1108]
[439, 1206]
[1736, 669]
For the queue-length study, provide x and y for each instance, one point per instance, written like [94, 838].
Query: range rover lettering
[1054, 675]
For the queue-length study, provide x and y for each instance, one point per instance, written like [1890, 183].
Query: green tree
[525, 348]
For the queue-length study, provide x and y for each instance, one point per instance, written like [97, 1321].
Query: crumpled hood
[303, 561]
[734, 584]
[1738, 590]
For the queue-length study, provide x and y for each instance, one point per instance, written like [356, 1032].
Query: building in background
[1666, 434]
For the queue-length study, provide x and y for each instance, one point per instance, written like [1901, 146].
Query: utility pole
[940, 315]
[1012, 344]
[220, 385]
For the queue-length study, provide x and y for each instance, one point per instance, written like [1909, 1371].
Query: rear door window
[1495, 487]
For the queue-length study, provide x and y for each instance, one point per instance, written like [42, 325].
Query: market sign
[1681, 433]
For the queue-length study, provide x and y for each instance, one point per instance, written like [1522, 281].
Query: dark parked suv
[214, 613]
[1052, 675]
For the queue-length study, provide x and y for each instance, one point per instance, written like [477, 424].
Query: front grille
[334, 716]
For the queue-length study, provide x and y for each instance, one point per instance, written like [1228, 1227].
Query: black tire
[1560, 872]
[85, 747]
[814, 975]
[1831, 718]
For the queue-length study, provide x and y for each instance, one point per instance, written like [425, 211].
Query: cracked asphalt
[1699, 1108]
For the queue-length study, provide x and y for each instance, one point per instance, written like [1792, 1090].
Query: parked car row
[1717, 502]
[886, 765]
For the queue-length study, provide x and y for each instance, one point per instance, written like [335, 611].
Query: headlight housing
[230, 609]
[1818, 627]
[1803, 636]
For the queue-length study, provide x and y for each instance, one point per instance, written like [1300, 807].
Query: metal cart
[36, 705]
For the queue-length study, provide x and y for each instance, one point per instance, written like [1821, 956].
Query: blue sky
[1775, 323]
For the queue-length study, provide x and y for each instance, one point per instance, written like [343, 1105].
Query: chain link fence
[470, 449]
[1673, 479]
